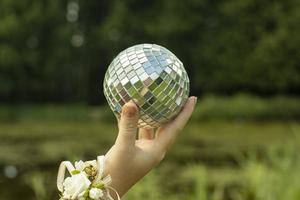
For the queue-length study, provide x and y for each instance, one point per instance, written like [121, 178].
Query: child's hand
[130, 159]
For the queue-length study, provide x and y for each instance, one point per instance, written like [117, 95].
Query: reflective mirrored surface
[153, 77]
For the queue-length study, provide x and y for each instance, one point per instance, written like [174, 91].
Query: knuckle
[126, 133]
[128, 126]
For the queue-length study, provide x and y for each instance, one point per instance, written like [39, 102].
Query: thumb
[128, 124]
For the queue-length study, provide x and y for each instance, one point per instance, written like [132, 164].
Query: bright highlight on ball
[153, 77]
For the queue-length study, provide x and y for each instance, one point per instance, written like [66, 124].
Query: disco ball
[153, 77]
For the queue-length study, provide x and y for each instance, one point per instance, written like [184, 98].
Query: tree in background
[58, 50]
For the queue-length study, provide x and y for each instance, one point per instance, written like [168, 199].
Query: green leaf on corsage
[74, 172]
[98, 185]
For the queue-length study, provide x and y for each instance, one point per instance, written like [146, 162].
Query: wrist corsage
[86, 181]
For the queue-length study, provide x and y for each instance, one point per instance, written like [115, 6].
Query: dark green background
[51, 51]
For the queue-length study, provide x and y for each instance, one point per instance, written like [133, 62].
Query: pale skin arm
[130, 159]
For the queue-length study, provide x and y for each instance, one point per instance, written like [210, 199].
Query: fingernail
[130, 109]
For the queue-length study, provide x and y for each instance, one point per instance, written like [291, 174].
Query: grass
[237, 107]
[211, 159]
[52, 141]
[246, 151]
[247, 107]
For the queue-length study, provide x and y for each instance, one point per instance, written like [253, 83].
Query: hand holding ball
[151, 76]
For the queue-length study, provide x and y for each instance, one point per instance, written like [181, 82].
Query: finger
[118, 121]
[147, 134]
[128, 124]
[180, 121]
[166, 134]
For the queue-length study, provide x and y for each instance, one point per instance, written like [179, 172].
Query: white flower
[81, 196]
[66, 196]
[79, 165]
[92, 163]
[96, 193]
[75, 185]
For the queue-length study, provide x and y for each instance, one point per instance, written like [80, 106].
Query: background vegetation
[58, 50]
[243, 60]
[215, 159]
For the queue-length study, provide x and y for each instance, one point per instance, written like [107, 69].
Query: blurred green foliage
[235, 107]
[58, 50]
[253, 180]
[212, 160]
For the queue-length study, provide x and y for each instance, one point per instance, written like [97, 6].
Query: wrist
[117, 180]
